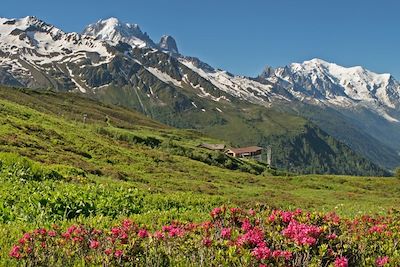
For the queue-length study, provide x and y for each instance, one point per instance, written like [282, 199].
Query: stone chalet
[253, 152]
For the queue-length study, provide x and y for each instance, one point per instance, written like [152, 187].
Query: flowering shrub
[233, 237]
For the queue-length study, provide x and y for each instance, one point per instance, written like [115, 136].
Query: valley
[63, 170]
[105, 156]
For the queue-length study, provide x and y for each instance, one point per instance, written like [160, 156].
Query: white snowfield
[339, 86]
[355, 83]
[113, 31]
[42, 43]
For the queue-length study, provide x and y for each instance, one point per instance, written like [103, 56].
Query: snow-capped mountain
[318, 81]
[315, 82]
[118, 63]
[114, 31]
[30, 47]
[32, 34]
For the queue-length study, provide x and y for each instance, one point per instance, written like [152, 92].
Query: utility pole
[269, 155]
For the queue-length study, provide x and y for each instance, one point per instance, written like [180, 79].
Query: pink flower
[286, 216]
[173, 231]
[282, 254]
[246, 225]
[252, 212]
[29, 250]
[27, 237]
[254, 237]
[127, 223]
[271, 218]
[40, 231]
[115, 231]
[298, 212]
[331, 236]
[71, 229]
[108, 251]
[215, 212]
[381, 261]
[377, 229]
[226, 233]
[52, 233]
[123, 235]
[332, 217]
[207, 242]
[302, 234]
[167, 228]
[159, 235]
[94, 244]
[234, 210]
[261, 253]
[66, 235]
[176, 232]
[118, 253]
[341, 262]
[143, 233]
[15, 252]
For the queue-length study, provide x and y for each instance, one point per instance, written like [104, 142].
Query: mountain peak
[110, 20]
[334, 69]
[114, 31]
[314, 63]
[168, 43]
[317, 61]
[335, 84]
[23, 23]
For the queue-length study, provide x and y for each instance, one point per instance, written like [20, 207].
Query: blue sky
[244, 36]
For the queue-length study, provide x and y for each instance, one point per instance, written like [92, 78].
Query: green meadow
[66, 159]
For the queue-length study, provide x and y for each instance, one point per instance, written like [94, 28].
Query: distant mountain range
[315, 113]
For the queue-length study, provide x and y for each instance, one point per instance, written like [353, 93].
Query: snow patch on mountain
[78, 86]
[164, 77]
[39, 43]
[237, 86]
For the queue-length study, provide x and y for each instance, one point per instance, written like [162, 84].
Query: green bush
[17, 167]
[397, 172]
[129, 137]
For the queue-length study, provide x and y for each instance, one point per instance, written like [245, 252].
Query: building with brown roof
[253, 152]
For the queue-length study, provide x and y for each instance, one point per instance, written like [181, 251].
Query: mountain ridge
[158, 81]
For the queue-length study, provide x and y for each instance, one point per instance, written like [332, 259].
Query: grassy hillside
[120, 146]
[56, 169]
[298, 145]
